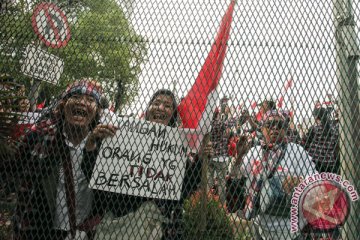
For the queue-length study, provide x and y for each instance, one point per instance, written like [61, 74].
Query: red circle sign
[51, 25]
[325, 205]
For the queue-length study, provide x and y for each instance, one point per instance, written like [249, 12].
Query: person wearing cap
[275, 162]
[322, 142]
[56, 159]
[267, 105]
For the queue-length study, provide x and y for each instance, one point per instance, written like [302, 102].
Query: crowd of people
[243, 146]
[56, 156]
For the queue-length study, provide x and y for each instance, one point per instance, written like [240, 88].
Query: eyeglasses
[278, 124]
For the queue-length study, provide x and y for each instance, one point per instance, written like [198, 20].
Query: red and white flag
[196, 108]
[287, 86]
[253, 105]
[280, 102]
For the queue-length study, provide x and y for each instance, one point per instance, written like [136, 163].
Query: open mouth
[79, 112]
[159, 116]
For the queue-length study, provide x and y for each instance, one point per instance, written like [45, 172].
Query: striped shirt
[323, 147]
[220, 134]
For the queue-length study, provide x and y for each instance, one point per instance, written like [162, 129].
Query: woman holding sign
[149, 218]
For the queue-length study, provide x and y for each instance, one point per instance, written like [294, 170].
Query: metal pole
[34, 94]
[347, 54]
[204, 190]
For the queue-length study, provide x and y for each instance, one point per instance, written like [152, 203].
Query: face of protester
[274, 129]
[80, 110]
[161, 109]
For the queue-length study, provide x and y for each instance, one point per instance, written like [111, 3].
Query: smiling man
[272, 170]
[57, 158]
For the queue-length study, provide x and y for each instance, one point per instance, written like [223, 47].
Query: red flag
[196, 108]
[259, 116]
[193, 105]
[280, 102]
[253, 105]
[288, 84]
[291, 114]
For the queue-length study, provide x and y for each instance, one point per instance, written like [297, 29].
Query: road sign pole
[34, 94]
[347, 55]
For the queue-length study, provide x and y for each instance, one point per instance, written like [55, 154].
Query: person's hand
[100, 132]
[24, 105]
[242, 148]
[290, 183]
[206, 148]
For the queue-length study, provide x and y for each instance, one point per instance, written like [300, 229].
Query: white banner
[143, 159]
[42, 65]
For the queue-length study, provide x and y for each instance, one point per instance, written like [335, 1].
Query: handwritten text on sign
[143, 159]
[42, 65]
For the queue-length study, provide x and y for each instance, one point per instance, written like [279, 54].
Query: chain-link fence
[180, 119]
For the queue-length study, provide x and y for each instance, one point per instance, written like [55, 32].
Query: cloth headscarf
[84, 87]
[48, 125]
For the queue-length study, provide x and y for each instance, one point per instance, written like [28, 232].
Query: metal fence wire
[179, 119]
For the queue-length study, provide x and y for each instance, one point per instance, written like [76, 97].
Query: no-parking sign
[51, 25]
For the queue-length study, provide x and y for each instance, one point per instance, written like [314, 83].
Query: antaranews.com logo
[323, 200]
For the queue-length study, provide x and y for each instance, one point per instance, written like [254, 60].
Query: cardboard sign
[42, 65]
[143, 159]
[50, 24]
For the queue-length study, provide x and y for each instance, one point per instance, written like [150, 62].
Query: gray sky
[270, 41]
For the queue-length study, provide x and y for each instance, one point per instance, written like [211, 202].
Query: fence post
[347, 54]
[204, 190]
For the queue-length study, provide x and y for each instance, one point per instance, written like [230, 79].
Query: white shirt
[296, 162]
[83, 194]
[234, 169]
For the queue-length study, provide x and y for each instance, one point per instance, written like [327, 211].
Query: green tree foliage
[103, 46]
